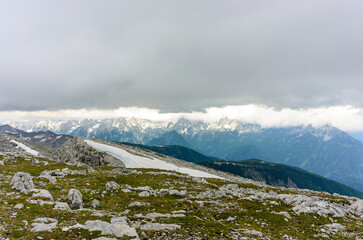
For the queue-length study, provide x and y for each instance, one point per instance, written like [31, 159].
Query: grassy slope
[203, 222]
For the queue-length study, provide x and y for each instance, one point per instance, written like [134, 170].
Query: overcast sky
[180, 56]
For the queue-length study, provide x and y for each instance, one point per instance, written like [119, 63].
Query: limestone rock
[104, 238]
[44, 224]
[144, 194]
[95, 203]
[19, 206]
[159, 227]
[22, 182]
[137, 204]
[142, 189]
[306, 204]
[44, 194]
[118, 229]
[98, 225]
[357, 208]
[62, 206]
[76, 197]
[335, 227]
[178, 193]
[45, 174]
[111, 186]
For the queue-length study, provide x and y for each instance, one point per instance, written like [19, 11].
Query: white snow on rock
[25, 148]
[134, 161]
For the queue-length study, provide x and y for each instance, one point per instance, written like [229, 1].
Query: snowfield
[134, 161]
[26, 148]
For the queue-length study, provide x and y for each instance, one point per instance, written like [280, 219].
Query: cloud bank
[180, 55]
[346, 118]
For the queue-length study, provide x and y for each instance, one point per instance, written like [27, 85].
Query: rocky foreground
[46, 199]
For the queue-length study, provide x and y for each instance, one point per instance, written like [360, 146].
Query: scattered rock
[44, 194]
[335, 227]
[76, 197]
[306, 204]
[118, 229]
[111, 186]
[154, 215]
[62, 206]
[22, 182]
[159, 227]
[357, 208]
[19, 206]
[138, 204]
[178, 193]
[104, 238]
[144, 194]
[253, 232]
[142, 189]
[45, 174]
[44, 224]
[95, 203]
[163, 191]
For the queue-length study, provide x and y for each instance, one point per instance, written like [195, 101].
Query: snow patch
[39, 136]
[11, 132]
[25, 148]
[133, 161]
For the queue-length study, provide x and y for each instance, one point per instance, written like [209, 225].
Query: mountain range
[325, 150]
[73, 149]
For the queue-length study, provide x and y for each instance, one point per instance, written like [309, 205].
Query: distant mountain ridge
[326, 150]
[45, 138]
[273, 174]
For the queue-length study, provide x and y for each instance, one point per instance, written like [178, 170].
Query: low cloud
[346, 118]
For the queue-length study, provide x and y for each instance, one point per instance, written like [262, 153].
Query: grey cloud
[180, 55]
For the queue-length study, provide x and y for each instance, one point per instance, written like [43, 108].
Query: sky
[290, 60]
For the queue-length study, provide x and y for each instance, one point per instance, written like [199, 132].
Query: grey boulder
[75, 197]
[22, 182]
[111, 186]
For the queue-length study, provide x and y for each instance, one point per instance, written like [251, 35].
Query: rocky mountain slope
[47, 199]
[326, 151]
